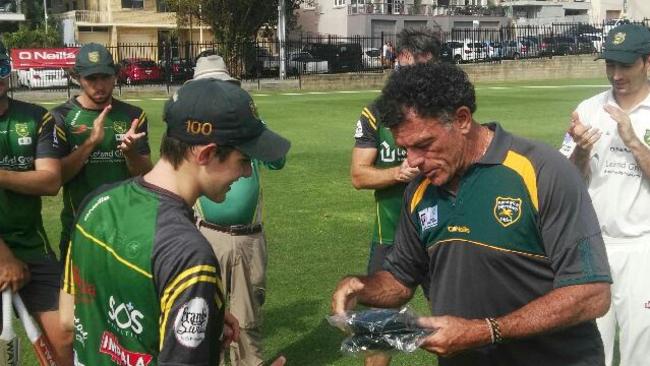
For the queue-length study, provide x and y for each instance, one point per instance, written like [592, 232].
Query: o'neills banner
[25, 58]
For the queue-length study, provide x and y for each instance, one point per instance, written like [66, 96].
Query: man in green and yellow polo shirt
[29, 168]
[499, 230]
[103, 139]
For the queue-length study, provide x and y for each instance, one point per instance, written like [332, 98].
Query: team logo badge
[646, 137]
[120, 128]
[619, 38]
[507, 210]
[93, 57]
[22, 130]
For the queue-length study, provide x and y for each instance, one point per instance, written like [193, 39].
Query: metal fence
[170, 63]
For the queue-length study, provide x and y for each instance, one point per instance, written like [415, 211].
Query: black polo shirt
[520, 225]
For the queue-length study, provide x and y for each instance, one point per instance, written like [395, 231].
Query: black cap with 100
[214, 111]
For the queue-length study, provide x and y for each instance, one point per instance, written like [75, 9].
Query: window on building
[339, 2]
[161, 6]
[132, 4]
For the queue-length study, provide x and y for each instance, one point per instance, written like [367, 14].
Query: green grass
[318, 226]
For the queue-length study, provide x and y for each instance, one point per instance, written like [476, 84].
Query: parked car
[597, 39]
[494, 50]
[135, 70]
[42, 78]
[340, 57]
[305, 63]
[179, 70]
[463, 51]
[521, 48]
[371, 58]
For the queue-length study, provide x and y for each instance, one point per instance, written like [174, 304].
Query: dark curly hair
[419, 42]
[430, 89]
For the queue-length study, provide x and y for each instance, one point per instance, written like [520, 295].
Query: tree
[235, 23]
[25, 37]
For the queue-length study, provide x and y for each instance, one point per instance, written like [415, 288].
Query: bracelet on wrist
[495, 330]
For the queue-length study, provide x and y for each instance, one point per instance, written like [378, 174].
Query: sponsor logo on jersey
[428, 218]
[125, 317]
[191, 322]
[390, 155]
[646, 137]
[90, 211]
[79, 333]
[17, 163]
[507, 210]
[77, 130]
[458, 229]
[359, 130]
[110, 345]
[85, 292]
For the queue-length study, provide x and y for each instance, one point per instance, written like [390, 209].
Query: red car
[134, 70]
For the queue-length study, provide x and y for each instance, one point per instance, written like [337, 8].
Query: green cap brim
[624, 57]
[268, 146]
[99, 69]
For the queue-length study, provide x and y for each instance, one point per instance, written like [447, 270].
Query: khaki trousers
[243, 259]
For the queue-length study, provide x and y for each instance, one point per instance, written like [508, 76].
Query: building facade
[376, 17]
[113, 22]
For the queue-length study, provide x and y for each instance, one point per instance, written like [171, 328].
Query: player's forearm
[382, 290]
[370, 177]
[580, 159]
[138, 164]
[72, 164]
[560, 308]
[33, 182]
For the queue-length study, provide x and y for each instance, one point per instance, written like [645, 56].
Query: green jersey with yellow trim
[145, 281]
[370, 134]
[104, 165]
[520, 225]
[26, 134]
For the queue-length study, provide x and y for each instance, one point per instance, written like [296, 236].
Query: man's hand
[97, 134]
[624, 125]
[14, 274]
[131, 137]
[453, 334]
[405, 173]
[230, 330]
[583, 135]
[345, 295]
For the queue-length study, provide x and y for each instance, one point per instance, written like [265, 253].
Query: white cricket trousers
[630, 307]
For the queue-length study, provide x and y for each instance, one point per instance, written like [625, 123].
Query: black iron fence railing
[169, 63]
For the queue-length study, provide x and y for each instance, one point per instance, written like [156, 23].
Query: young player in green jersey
[379, 164]
[141, 284]
[29, 168]
[104, 140]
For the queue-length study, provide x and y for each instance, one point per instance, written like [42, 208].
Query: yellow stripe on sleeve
[61, 134]
[141, 119]
[371, 119]
[419, 193]
[522, 166]
[212, 270]
[68, 279]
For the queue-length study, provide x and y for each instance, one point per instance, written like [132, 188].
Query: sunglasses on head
[5, 68]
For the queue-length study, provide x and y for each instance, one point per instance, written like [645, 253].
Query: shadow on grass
[311, 340]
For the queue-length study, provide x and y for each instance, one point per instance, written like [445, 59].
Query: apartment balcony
[392, 9]
[126, 18]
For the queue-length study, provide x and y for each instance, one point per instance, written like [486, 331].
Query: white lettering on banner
[191, 322]
[45, 55]
[125, 316]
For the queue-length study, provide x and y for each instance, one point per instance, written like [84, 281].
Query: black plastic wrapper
[380, 330]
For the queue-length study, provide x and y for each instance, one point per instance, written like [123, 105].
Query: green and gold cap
[94, 58]
[626, 43]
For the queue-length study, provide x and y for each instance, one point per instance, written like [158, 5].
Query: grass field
[318, 226]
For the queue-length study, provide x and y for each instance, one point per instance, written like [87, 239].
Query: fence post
[119, 81]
